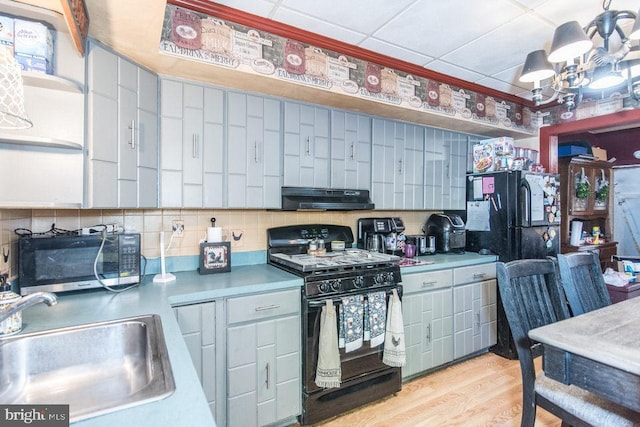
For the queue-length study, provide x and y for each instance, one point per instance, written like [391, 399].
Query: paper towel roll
[576, 233]
[214, 234]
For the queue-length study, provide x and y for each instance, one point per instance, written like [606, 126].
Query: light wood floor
[483, 391]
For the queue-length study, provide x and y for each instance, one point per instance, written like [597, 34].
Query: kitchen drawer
[474, 273]
[420, 282]
[262, 306]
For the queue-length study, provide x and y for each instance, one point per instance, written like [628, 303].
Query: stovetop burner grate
[334, 261]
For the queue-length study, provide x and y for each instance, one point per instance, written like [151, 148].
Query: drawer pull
[479, 275]
[268, 307]
[429, 284]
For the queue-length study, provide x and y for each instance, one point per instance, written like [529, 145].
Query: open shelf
[53, 18]
[39, 141]
[48, 81]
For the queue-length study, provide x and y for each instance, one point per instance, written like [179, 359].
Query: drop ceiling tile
[435, 28]
[363, 16]
[393, 51]
[511, 75]
[498, 85]
[502, 48]
[317, 26]
[453, 70]
[559, 12]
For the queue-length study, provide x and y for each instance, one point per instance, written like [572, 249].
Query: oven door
[355, 364]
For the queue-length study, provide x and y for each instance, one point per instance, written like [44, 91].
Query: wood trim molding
[549, 134]
[274, 27]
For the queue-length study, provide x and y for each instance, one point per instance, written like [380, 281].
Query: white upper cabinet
[445, 169]
[122, 132]
[397, 173]
[191, 145]
[350, 150]
[254, 155]
[306, 145]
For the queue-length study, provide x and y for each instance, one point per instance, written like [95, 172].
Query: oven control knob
[324, 287]
[389, 277]
[336, 285]
[379, 279]
[358, 282]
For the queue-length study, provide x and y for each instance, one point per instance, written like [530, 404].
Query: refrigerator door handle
[526, 200]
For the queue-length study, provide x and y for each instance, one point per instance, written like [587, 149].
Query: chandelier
[575, 64]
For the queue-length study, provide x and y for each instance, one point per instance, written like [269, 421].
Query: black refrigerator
[515, 215]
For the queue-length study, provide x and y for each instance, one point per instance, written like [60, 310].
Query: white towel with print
[353, 309]
[375, 317]
[394, 353]
[328, 370]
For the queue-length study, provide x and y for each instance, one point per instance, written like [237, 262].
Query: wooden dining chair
[582, 282]
[532, 297]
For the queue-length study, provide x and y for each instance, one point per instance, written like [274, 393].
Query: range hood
[325, 199]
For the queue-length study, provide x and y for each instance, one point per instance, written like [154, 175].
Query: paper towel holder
[163, 276]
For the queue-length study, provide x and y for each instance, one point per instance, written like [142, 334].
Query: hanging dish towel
[328, 371]
[377, 316]
[394, 349]
[340, 326]
[367, 324]
[353, 309]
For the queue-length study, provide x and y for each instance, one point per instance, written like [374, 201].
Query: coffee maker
[380, 234]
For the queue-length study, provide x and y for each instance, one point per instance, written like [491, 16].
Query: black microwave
[76, 262]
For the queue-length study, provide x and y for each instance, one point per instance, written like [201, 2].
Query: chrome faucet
[26, 302]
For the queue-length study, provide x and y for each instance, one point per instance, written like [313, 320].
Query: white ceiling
[481, 41]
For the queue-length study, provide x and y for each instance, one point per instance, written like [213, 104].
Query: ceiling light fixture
[12, 112]
[579, 64]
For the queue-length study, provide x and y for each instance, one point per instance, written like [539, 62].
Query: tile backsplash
[247, 226]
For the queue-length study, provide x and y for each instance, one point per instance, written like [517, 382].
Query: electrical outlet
[177, 225]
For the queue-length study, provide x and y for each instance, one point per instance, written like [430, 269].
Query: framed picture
[215, 257]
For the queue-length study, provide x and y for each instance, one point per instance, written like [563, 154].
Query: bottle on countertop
[13, 324]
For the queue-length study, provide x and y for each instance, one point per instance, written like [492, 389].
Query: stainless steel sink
[96, 368]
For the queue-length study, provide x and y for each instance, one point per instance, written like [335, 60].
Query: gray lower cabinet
[197, 324]
[263, 359]
[474, 301]
[448, 315]
[247, 353]
[428, 323]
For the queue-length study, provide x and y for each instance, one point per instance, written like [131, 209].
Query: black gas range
[332, 275]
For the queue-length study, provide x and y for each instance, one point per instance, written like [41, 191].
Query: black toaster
[448, 230]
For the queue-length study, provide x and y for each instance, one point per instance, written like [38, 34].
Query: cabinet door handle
[479, 275]
[194, 144]
[132, 140]
[308, 146]
[255, 151]
[429, 284]
[353, 151]
[428, 333]
[267, 307]
[267, 382]
[478, 319]
[400, 166]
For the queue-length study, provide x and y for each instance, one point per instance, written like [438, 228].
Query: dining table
[598, 351]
